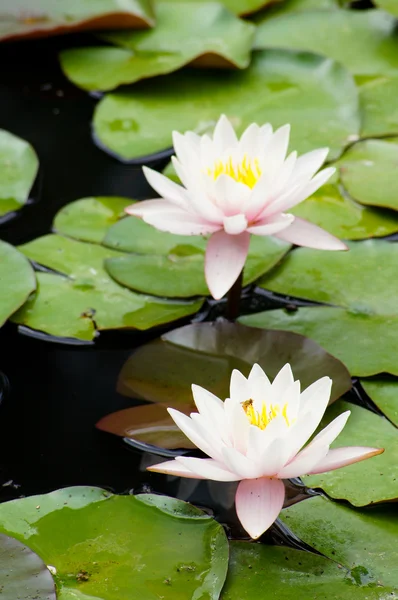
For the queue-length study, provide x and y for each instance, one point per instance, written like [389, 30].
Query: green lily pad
[317, 96]
[23, 572]
[288, 6]
[390, 6]
[363, 541]
[238, 7]
[373, 480]
[87, 299]
[180, 274]
[184, 33]
[89, 219]
[275, 573]
[18, 169]
[379, 109]
[366, 344]
[209, 353]
[362, 279]
[22, 19]
[364, 41]
[17, 278]
[384, 393]
[108, 547]
[368, 172]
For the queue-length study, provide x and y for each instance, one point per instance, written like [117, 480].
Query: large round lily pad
[370, 481]
[363, 541]
[384, 393]
[185, 32]
[317, 96]
[366, 344]
[22, 573]
[17, 280]
[368, 172]
[209, 353]
[18, 170]
[378, 107]
[110, 547]
[24, 19]
[87, 299]
[364, 41]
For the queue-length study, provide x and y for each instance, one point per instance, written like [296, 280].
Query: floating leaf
[379, 109]
[364, 41]
[22, 573]
[239, 7]
[18, 170]
[366, 344]
[390, 6]
[363, 541]
[384, 393]
[368, 172]
[209, 353]
[370, 481]
[180, 274]
[257, 570]
[184, 33]
[17, 280]
[22, 19]
[315, 95]
[87, 299]
[88, 219]
[105, 546]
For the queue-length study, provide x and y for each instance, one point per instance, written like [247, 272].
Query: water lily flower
[258, 436]
[233, 188]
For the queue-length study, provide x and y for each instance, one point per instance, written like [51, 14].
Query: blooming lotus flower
[257, 436]
[234, 188]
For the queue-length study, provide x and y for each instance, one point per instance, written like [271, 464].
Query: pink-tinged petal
[172, 467]
[166, 188]
[224, 136]
[191, 430]
[206, 468]
[342, 457]
[239, 464]
[271, 225]
[235, 225]
[153, 207]
[230, 195]
[308, 164]
[303, 233]
[225, 258]
[239, 389]
[258, 504]
[180, 223]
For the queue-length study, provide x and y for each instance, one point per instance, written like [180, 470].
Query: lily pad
[239, 7]
[17, 278]
[22, 19]
[18, 169]
[379, 110]
[317, 96]
[364, 41]
[180, 274]
[185, 32]
[22, 573]
[371, 481]
[276, 573]
[105, 546]
[209, 353]
[362, 279]
[368, 172]
[87, 299]
[384, 393]
[89, 219]
[363, 541]
[390, 6]
[366, 344]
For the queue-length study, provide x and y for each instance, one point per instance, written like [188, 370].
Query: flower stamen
[263, 418]
[248, 171]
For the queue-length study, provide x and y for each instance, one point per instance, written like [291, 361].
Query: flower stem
[233, 301]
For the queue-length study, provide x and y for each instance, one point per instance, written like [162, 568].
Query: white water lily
[257, 436]
[234, 188]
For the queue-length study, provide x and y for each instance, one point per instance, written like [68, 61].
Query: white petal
[258, 504]
[230, 195]
[257, 371]
[238, 463]
[239, 387]
[172, 467]
[235, 225]
[271, 225]
[283, 380]
[249, 139]
[276, 151]
[342, 457]
[224, 136]
[303, 233]
[308, 164]
[238, 424]
[166, 188]
[207, 468]
[190, 429]
[187, 151]
[179, 222]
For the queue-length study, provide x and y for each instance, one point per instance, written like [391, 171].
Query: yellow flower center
[264, 417]
[247, 172]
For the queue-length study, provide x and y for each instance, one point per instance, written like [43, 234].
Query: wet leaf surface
[105, 546]
[22, 19]
[379, 111]
[363, 541]
[16, 277]
[370, 481]
[239, 7]
[22, 573]
[384, 393]
[185, 32]
[318, 97]
[18, 169]
[209, 353]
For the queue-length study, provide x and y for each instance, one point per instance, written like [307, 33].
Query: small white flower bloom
[234, 188]
[257, 436]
